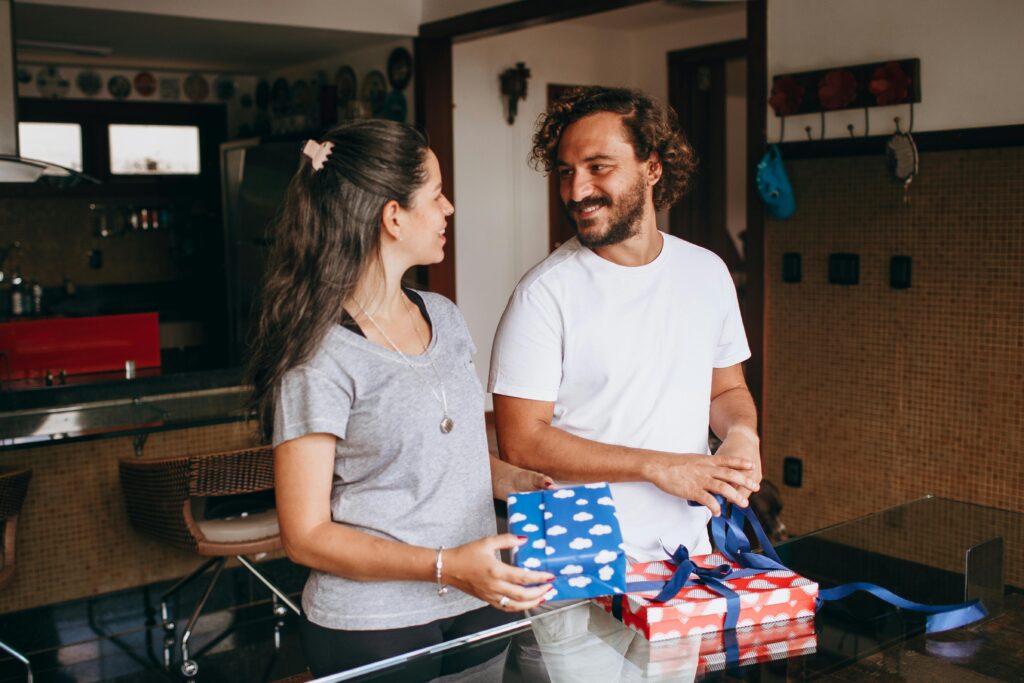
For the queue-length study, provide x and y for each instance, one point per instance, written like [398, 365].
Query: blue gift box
[574, 534]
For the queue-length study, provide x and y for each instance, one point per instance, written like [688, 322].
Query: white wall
[501, 203]
[970, 53]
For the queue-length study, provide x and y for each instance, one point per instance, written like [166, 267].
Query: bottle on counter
[37, 299]
[17, 296]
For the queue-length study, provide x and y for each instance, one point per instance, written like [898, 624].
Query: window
[153, 150]
[57, 143]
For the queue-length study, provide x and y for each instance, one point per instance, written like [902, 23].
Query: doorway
[707, 88]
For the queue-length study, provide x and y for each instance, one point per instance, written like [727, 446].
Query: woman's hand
[474, 568]
[507, 478]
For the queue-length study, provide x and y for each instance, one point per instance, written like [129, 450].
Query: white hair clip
[317, 152]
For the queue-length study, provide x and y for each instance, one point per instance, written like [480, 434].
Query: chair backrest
[160, 494]
[13, 489]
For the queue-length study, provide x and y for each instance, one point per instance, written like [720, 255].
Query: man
[617, 351]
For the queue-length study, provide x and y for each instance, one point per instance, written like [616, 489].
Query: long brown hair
[325, 237]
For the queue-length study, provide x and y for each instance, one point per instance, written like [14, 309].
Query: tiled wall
[57, 234]
[888, 394]
[74, 537]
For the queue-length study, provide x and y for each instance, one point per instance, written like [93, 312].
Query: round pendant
[447, 424]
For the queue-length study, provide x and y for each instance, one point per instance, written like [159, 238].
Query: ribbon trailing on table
[731, 542]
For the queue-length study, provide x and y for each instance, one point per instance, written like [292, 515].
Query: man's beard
[623, 223]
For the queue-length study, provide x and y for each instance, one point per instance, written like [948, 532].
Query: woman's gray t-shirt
[396, 475]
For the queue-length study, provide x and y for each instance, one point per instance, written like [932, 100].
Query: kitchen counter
[121, 407]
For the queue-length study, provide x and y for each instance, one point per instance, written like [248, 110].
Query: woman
[375, 410]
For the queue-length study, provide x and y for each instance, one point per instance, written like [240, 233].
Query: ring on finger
[504, 601]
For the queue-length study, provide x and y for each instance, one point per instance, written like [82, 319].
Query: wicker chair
[166, 498]
[13, 487]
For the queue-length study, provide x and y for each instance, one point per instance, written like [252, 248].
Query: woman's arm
[303, 470]
[507, 478]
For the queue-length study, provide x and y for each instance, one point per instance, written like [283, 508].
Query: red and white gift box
[688, 657]
[780, 640]
[771, 597]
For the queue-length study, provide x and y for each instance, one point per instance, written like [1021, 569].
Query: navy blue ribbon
[731, 542]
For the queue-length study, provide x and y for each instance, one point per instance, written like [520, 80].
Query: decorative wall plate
[301, 96]
[224, 87]
[119, 87]
[89, 82]
[280, 96]
[374, 92]
[345, 81]
[399, 68]
[145, 83]
[395, 107]
[262, 94]
[51, 83]
[196, 87]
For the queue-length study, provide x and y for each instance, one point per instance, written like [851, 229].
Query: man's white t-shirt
[626, 354]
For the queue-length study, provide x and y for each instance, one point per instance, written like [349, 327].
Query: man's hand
[700, 477]
[742, 442]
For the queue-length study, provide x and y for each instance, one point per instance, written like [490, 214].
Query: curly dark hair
[651, 126]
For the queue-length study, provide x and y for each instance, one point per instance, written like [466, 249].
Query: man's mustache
[573, 206]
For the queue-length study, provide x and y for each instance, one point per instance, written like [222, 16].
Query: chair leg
[189, 667]
[20, 657]
[164, 616]
[273, 589]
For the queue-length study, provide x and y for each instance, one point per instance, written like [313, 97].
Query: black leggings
[331, 650]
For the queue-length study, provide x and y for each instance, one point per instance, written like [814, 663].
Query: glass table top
[931, 550]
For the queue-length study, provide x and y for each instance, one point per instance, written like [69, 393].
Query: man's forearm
[733, 410]
[572, 458]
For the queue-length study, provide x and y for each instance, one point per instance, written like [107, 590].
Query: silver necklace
[447, 423]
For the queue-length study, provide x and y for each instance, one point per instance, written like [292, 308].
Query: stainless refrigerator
[254, 176]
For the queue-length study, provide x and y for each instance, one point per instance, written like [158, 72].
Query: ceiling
[139, 39]
[653, 14]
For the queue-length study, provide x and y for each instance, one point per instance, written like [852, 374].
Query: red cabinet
[30, 347]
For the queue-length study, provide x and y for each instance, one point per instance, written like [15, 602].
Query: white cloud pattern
[606, 556]
[564, 493]
[580, 543]
[580, 581]
[530, 528]
[517, 517]
[605, 500]
[571, 569]
[583, 517]
[600, 530]
[531, 563]
[557, 530]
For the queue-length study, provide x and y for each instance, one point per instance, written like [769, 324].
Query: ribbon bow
[318, 152]
[732, 543]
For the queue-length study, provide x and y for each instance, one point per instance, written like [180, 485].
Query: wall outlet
[843, 269]
[793, 472]
[791, 267]
[899, 272]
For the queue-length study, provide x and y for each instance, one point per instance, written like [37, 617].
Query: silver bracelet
[438, 566]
